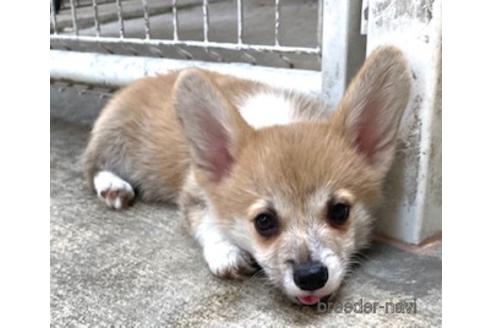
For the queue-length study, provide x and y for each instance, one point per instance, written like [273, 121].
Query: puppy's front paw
[226, 260]
[114, 191]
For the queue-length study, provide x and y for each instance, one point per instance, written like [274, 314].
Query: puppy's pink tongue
[308, 300]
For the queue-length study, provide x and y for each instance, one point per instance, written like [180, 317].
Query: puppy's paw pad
[114, 191]
[228, 261]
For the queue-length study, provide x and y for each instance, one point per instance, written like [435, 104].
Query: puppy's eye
[338, 213]
[266, 224]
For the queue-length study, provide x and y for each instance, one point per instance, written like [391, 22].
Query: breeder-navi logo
[361, 306]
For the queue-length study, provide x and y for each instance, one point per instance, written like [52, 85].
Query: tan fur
[180, 138]
[137, 136]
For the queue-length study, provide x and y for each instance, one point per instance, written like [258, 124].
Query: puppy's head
[297, 196]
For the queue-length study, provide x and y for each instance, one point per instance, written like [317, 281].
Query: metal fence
[336, 28]
[248, 51]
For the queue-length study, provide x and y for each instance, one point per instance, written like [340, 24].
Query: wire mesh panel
[279, 33]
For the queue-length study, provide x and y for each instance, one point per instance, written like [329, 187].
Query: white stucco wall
[412, 212]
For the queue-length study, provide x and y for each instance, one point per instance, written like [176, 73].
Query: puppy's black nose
[310, 276]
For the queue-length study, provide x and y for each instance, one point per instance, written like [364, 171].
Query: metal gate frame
[340, 46]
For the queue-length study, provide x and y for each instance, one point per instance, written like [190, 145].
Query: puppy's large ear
[371, 109]
[213, 127]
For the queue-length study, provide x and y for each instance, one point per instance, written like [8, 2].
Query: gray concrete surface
[139, 268]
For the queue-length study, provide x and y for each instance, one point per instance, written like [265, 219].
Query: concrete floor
[139, 268]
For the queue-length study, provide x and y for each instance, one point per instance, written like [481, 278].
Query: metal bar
[117, 70]
[343, 49]
[191, 43]
[120, 18]
[239, 22]
[287, 60]
[205, 31]
[109, 51]
[175, 22]
[84, 4]
[53, 17]
[250, 58]
[320, 23]
[183, 53]
[97, 26]
[216, 56]
[277, 21]
[364, 17]
[146, 19]
[205, 21]
[74, 17]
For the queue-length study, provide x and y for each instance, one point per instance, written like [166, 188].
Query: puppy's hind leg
[114, 191]
[104, 169]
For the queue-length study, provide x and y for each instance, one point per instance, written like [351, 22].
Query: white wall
[413, 209]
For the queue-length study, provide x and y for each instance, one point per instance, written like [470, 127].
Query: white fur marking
[105, 182]
[267, 108]
[220, 254]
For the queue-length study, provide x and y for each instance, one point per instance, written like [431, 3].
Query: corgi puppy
[263, 176]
